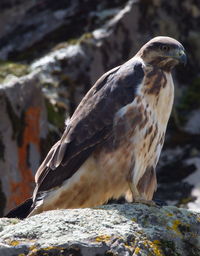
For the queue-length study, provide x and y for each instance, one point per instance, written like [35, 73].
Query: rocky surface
[23, 128]
[64, 59]
[109, 230]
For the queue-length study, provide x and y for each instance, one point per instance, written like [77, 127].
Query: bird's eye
[164, 48]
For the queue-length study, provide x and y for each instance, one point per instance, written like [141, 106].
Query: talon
[146, 202]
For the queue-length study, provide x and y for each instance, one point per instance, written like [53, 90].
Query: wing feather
[90, 125]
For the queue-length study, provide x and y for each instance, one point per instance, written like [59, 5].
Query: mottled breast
[142, 124]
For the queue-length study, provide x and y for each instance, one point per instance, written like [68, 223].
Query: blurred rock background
[52, 52]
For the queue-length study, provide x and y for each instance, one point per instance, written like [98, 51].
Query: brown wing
[90, 125]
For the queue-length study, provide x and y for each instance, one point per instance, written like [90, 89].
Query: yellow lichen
[157, 242]
[14, 221]
[174, 227]
[32, 247]
[169, 214]
[102, 238]
[155, 246]
[53, 248]
[14, 243]
[137, 250]
[45, 251]
[8, 67]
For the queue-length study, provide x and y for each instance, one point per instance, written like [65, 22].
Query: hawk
[112, 143]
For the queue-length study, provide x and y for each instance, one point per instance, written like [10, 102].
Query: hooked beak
[181, 56]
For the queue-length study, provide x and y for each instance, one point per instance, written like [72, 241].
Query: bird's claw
[146, 202]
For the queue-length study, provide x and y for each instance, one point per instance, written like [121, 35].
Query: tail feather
[21, 211]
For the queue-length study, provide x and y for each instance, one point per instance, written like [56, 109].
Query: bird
[112, 142]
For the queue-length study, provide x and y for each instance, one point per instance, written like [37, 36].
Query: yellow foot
[143, 201]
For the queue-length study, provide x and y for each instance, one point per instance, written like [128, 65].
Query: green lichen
[186, 200]
[72, 41]
[55, 115]
[86, 37]
[14, 68]
[17, 122]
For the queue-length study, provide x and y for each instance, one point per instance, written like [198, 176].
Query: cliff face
[34, 27]
[23, 128]
[61, 49]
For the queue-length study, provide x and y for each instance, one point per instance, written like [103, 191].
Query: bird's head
[163, 52]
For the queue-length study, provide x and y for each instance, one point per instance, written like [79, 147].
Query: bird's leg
[144, 201]
[140, 198]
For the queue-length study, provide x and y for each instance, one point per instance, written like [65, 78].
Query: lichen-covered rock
[23, 127]
[109, 230]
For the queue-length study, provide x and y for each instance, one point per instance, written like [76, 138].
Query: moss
[14, 68]
[86, 37]
[18, 123]
[73, 41]
[186, 200]
[55, 115]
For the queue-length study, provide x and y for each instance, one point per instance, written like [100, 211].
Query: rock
[23, 128]
[28, 26]
[173, 171]
[129, 229]
[194, 180]
[193, 125]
